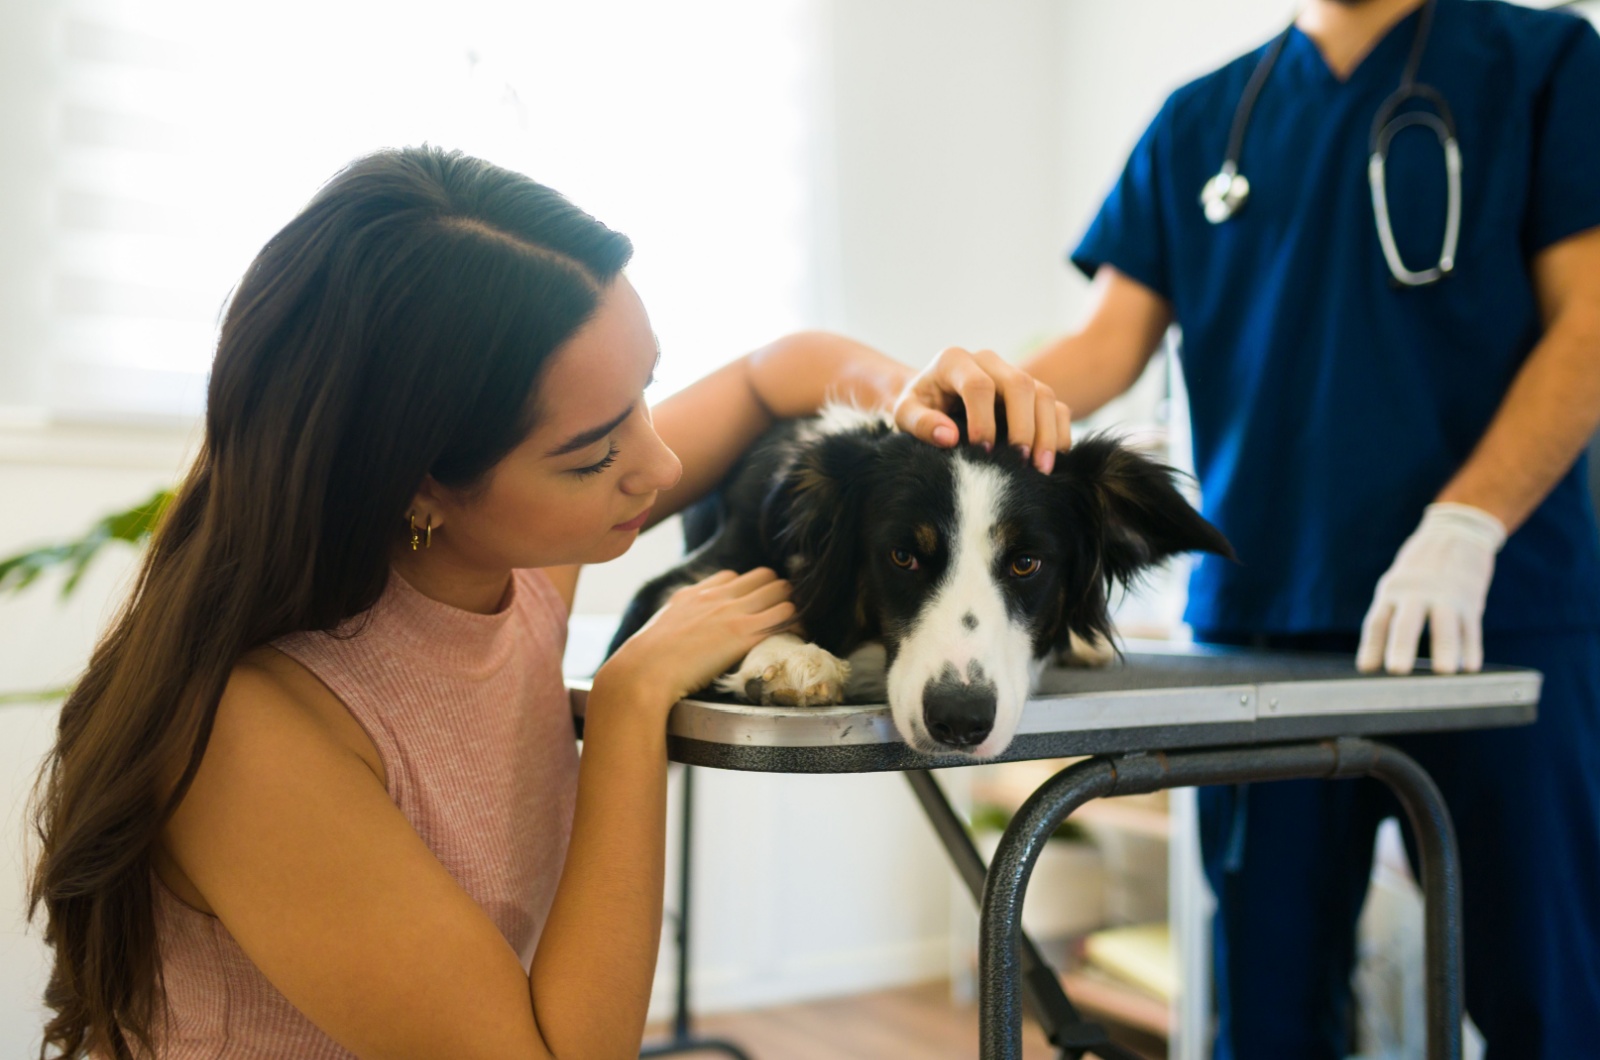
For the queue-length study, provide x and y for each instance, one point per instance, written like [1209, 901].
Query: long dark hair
[397, 328]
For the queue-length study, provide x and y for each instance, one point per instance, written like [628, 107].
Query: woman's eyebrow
[587, 438]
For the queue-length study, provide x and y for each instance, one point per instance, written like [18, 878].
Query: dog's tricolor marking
[946, 576]
[967, 633]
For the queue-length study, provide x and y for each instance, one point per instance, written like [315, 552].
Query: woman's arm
[289, 836]
[711, 422]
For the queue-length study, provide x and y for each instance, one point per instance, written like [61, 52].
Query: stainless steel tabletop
[1154, 699]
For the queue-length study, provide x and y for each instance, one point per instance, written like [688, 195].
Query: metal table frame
[1167, 719]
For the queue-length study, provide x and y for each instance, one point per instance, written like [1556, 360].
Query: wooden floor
[912, 1023]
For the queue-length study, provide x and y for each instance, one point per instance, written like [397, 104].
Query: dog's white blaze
[941, 636]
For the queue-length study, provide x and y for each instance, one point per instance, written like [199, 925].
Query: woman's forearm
[711, 422]
[799, 373]
[591, 977]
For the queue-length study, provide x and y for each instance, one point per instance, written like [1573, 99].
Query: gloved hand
[1441, 576]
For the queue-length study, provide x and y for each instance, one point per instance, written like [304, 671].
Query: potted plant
[1067, 892]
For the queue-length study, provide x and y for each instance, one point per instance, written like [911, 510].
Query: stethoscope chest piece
[1224, 194]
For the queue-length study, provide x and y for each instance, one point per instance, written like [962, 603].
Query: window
[188, 132]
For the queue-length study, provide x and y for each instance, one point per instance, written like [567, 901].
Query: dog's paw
[1087, 654]
[784, 670]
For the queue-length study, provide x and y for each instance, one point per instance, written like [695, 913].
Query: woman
[317, 793]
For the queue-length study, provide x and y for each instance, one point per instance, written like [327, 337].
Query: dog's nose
[959, 713]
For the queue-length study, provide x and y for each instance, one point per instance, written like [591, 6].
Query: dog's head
[972, 567]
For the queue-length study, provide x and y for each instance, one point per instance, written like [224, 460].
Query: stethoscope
[1225, 193]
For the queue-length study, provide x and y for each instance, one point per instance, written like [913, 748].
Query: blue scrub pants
[1289, 864]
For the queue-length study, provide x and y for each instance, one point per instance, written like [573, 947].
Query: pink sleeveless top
[471, 719]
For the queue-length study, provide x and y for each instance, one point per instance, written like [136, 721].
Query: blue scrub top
[1329, 407]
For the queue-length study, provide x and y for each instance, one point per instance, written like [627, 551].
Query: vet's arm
[1106, 356]
[1442, 573]
[1553, 405]
[711, 422]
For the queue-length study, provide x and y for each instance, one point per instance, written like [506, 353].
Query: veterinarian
[1390, 393]
[318, 793]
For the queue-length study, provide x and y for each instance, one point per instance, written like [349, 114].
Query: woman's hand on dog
[703, 630]
[1037, 423]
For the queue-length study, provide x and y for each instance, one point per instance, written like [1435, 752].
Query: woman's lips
[635, 523]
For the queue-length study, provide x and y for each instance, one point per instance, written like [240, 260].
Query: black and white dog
[943, 578]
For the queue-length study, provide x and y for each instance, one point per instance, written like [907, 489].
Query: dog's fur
[968, 567]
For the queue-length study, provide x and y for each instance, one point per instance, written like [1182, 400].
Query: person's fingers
[722, 577]
[1471, 643]
[1374, 635]
[1016, 388]
[925, 423]
[751, 579]
[1020, 409]
[1044, 424]
[1444, 632]
[1063, 426]
[1405, 630]
[769, 595]
[977, 394]
[773, 618]
[1046, 461]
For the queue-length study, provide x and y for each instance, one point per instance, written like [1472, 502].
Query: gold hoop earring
[420, 538]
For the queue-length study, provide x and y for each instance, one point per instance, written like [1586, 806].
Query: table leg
[1065, 1028]
[999, 968]
[683, 1039]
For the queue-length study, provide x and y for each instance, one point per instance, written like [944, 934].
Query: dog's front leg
[1087, 653]
[787, 671]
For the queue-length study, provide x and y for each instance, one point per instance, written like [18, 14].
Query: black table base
[683, 1039]
[1009, 967]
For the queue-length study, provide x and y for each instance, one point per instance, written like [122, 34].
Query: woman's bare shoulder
[290, 840]
[272, 706]
[267, 679]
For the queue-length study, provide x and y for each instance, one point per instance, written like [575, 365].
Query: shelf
[1118, 1004]
[1009, 786]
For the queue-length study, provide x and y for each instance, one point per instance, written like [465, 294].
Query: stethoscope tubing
[1226, 192]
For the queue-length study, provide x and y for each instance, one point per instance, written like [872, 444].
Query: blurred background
[909, 172]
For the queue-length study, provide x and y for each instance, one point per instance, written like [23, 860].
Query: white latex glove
[1441, 576]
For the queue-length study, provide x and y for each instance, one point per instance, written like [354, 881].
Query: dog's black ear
[811, 519]
[1132, 517]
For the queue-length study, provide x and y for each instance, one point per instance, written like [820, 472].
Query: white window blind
[188, 132]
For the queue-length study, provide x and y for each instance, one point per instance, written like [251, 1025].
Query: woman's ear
[430, 502]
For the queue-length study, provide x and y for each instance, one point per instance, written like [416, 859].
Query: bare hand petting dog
[703, 630]
[1038, 424]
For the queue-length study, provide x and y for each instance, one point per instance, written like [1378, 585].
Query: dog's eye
[1025, 566]
[902, 558]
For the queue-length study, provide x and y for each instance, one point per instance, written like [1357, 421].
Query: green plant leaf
[131, 526]
[987, 817]
[41, 695]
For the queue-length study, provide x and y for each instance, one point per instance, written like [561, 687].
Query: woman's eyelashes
[595, 469]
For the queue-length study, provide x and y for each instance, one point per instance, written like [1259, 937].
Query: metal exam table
[1161, 719]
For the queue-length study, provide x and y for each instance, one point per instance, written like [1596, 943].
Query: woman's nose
[660, 472]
